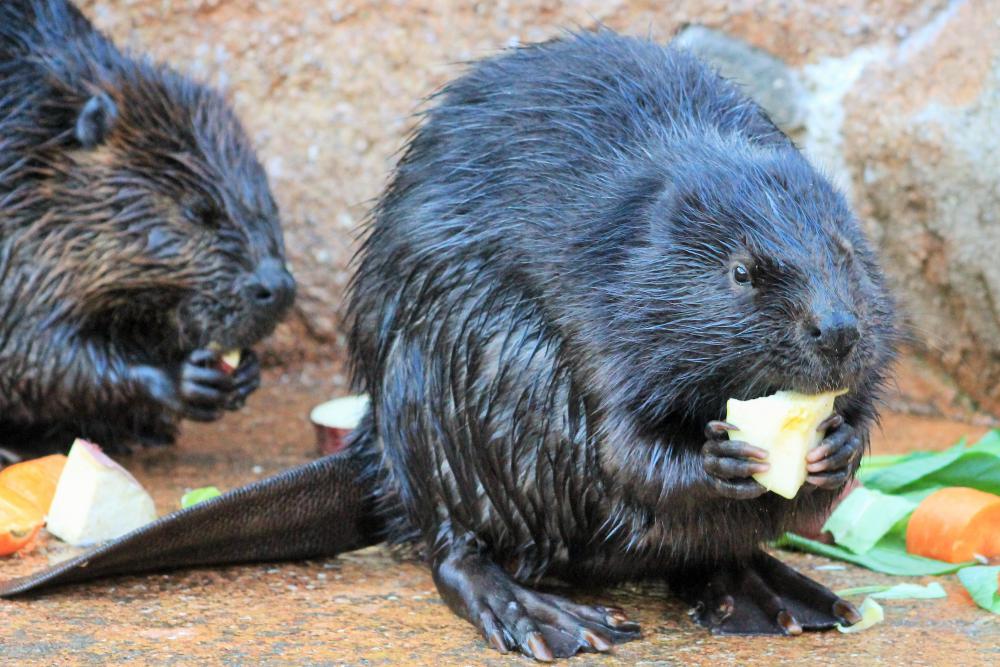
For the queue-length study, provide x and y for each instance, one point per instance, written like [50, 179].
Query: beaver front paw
[730, 463]
[205, 388]
[836, 458]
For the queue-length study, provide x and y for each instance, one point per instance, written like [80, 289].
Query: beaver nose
[271, 286]
[835, 333]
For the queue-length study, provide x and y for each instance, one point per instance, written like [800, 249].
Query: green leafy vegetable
[983, 582]
[898, 592]
[864, 517]
[870, 529]
[977, 467]
[861, 590]
[888, 556]
[195, 496]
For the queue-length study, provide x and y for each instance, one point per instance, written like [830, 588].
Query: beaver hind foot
[762, 597]
[512, 617]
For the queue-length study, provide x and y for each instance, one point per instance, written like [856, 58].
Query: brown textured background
[898, 102]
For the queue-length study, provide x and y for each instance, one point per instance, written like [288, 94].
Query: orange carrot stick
[955, 525]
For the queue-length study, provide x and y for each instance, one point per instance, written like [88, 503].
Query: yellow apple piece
[784, 424]
[230, 361]
[96, 499]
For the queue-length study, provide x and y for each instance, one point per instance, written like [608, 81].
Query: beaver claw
[762, 597]
[512, 617]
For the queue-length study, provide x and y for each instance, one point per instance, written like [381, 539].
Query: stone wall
[895, 99]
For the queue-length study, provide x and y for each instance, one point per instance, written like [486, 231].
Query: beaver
[138, 237]
[586, 248]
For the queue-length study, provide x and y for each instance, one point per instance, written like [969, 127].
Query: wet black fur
[545, 317]
[132, 209]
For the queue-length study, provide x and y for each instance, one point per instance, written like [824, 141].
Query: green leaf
[864, 517]
[861, 590]
[916, 476]
[195, 496]
[908, 472]
[888, 556]
[931, 591]
[875, 462]
[898, 592]
[983, 582]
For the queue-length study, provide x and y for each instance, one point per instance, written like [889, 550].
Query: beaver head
[139, 195]
[753, 276]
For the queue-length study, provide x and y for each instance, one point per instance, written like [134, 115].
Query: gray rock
[769, 81]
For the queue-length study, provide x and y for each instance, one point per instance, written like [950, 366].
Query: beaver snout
[270, 290]
[834, 333]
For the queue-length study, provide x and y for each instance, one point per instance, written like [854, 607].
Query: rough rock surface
[900, 107]
[921, 136]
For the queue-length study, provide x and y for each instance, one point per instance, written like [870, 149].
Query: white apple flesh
[230, 361]
[96, 499]
[784, 424]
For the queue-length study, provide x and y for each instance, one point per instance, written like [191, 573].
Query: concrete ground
[367, 608]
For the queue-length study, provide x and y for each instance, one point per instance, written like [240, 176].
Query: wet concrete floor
[367, 608]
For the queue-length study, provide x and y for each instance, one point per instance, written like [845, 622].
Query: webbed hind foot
[762, 597]
[512, 617]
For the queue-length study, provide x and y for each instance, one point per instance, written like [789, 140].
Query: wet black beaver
[136, 229]
[588, 246]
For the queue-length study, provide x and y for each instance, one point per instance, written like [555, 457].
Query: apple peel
[334, 420]
[230, 361]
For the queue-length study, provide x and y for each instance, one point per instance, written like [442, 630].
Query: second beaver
[136, 228]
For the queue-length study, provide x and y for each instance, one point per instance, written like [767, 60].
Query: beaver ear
[95, 121]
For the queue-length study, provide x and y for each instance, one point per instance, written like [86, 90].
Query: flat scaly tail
[319, 509]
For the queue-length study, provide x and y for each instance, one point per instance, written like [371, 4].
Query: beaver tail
[320, 509]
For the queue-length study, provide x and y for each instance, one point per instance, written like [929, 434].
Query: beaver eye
[741, 274]
[204, 214]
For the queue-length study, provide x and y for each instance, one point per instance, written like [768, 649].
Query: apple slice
[335, 419]
[96, 499]
[784, 424]
[230, 361]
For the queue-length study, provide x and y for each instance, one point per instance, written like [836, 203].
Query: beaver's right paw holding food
[200, 389]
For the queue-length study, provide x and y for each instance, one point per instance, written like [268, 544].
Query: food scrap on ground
[955, 524]
[195, 496]
[871, 614]
[96, 499]
[924, 513]
[334, 420]
[931, 591]
[26, 491]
